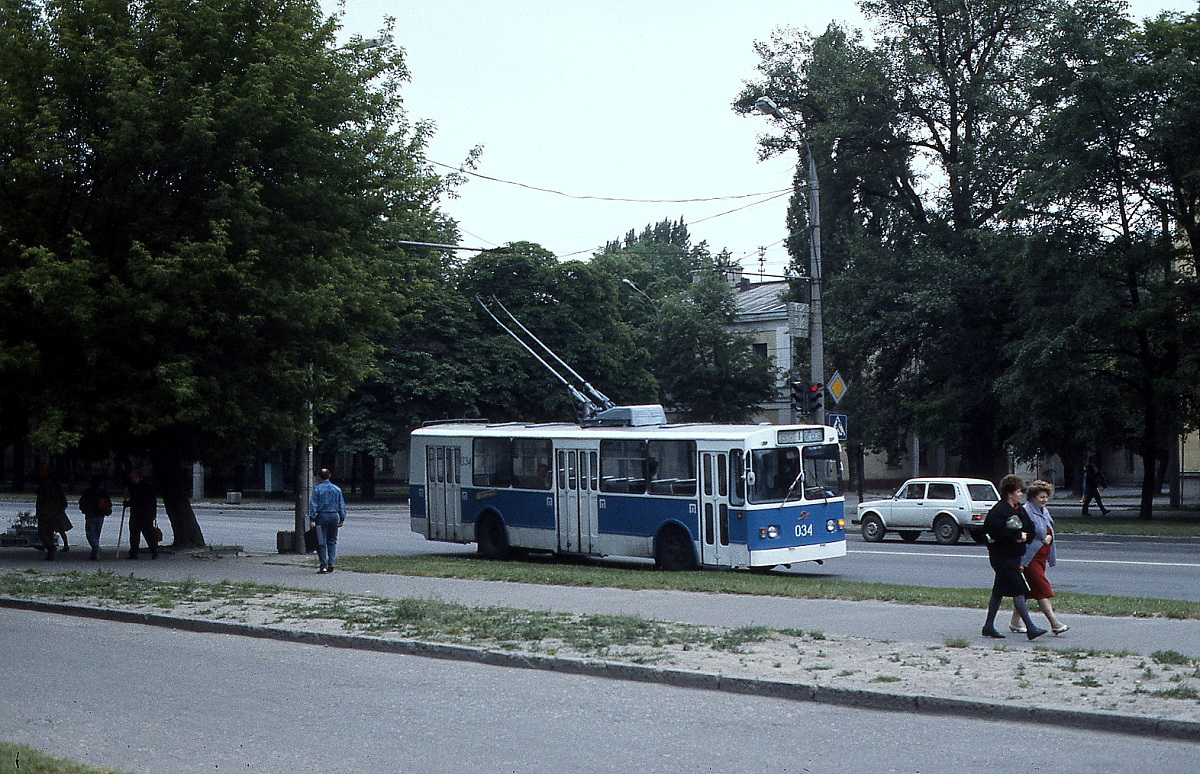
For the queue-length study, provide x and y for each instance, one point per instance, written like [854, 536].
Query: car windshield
[983, 493]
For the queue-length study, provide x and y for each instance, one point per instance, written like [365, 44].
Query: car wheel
[979, 536]
[946, 530]
[909, 535]
[491, 537]
[872, 529]
[673, 550]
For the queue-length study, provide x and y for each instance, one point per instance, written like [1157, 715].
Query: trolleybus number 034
[804, 530]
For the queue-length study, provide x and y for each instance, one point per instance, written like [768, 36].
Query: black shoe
[66, 549]
[990, 631]
[1033, 634]
[1103, 512]
[132, 556]
[94, 556]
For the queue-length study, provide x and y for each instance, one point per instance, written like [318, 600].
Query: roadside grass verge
[1174, 524]
[28, 760]
[536, 569]
[629, 637]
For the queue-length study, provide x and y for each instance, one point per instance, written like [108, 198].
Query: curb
[1111, 722]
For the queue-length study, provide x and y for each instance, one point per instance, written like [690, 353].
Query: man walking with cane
[326, 512]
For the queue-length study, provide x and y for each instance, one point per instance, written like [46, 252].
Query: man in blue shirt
[326, 512]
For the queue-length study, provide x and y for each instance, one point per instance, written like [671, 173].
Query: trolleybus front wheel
[673, 550]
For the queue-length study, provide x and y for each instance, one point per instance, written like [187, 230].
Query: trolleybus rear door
[443, 499]
[714, 508]
[577, 485]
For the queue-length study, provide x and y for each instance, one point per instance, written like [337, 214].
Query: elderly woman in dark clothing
[1008, 528]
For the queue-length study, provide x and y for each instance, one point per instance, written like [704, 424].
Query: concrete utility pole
[816, 321]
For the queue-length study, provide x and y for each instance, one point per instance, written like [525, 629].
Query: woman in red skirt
[1039, 555]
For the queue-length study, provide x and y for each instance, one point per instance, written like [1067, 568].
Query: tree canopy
[198, 204]
[1006, 184]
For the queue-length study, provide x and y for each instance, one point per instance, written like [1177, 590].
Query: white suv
[945, 506]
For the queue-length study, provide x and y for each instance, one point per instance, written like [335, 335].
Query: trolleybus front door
[577, 485]
[443, 499]
[714, 508]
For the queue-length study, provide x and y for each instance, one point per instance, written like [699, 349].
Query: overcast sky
[608, 99]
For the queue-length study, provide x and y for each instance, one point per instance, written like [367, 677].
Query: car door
[909, 509]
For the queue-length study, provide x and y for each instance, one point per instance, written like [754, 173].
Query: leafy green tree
[919, 141]
[1115, 306]
[703, 371]
[196, 202]
[572, 308]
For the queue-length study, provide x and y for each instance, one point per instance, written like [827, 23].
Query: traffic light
[813, 397]
[799, 392]
[806, 397]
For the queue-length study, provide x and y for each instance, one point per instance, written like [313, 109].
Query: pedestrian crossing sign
[837, 422]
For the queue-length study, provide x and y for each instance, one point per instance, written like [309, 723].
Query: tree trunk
[175, 487]
[368, 476]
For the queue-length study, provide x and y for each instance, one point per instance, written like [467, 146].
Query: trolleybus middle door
[444, 491]
[577, 483]
[714, 508]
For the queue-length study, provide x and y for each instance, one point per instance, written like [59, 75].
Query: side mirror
[750, 477]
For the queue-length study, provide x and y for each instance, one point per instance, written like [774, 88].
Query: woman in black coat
[1008, 529]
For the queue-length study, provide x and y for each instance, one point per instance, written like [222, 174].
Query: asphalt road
[143, 699]
[1120, 568]
[1159, 570]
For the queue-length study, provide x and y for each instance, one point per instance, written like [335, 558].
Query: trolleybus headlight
[770, 532]
[833, 525]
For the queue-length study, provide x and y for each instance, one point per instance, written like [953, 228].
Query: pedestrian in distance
[1040, 553]
[326, 513]
[95, 504]
[1008, 529]
[143, 513]
[1093, 481]
[50, 510]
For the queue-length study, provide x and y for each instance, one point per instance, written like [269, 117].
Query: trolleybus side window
[531, 463]
[623, 467]
[673, 467]
[430, 464]
[492, 462]
[594, 467]
[441, 464]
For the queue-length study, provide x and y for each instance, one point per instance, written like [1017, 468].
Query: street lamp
[816, 336]
[636, 289]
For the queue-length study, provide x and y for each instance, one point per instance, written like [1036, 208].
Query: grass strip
[625, 637]
[553, 572]
[29, 760]
[1174, 525]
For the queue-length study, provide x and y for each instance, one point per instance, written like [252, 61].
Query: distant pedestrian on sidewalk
[1008, 529]
[326, 513]
[1093, 481]
[95, 504]
[51, 511]
[143, 512]
[1040, 553]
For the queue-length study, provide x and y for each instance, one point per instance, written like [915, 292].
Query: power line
[460, 170]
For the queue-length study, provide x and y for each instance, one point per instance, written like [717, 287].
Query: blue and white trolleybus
[628, 484]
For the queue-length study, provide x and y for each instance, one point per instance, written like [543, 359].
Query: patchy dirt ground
[1164, 686]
